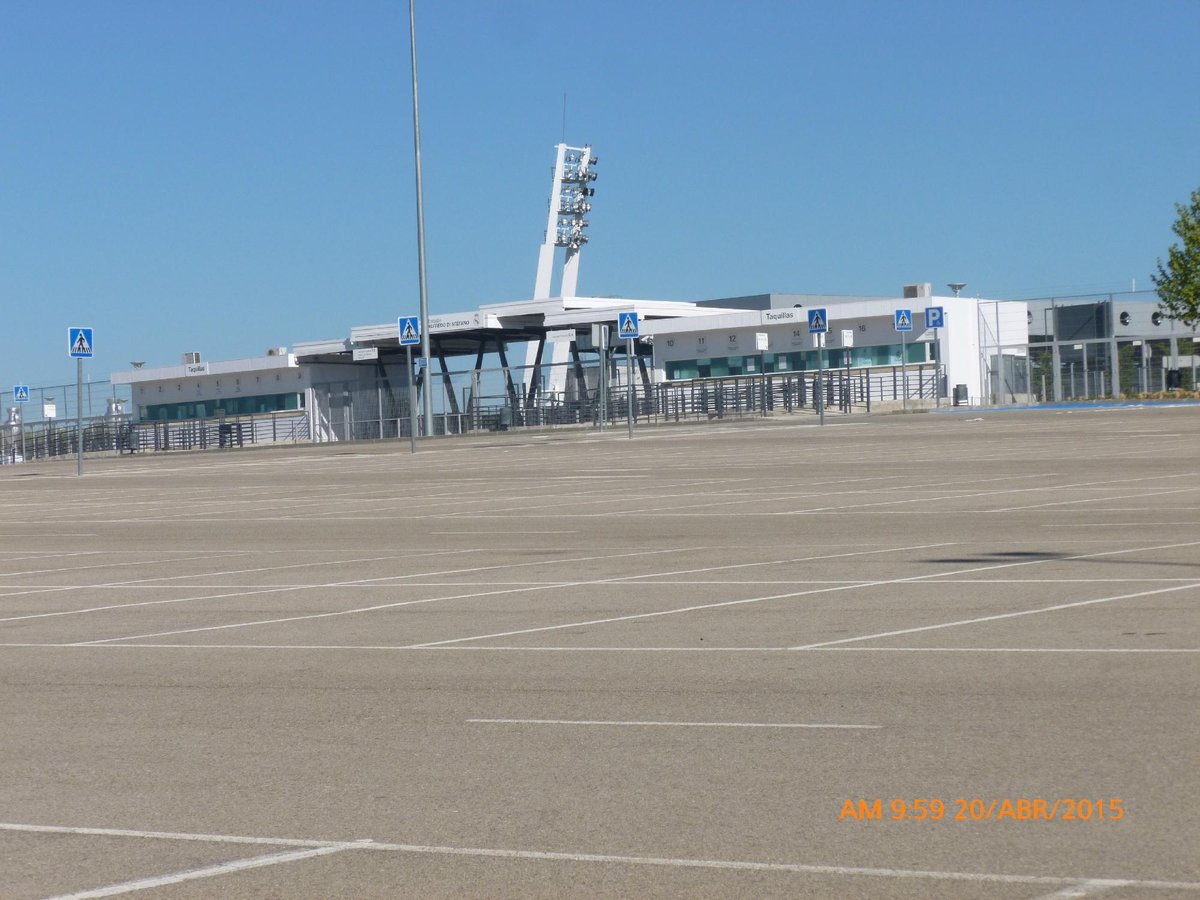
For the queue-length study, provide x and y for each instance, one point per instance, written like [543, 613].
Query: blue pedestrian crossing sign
[79, 343]
[935, 317]
[904, 320]
[21, 393]
[818, 321]
[627, 325]
[410, 331]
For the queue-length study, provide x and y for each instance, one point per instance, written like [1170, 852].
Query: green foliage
[1178, 282]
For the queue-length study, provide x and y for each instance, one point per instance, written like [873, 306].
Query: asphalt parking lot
[572, 664]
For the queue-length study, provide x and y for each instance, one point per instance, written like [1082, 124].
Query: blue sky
[225, 176]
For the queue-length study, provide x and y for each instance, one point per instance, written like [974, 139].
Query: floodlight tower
[565, 224]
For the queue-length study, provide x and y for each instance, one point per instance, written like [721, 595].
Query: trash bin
[1174, 379]
[505, 417]
[225, 434]
[960, 394]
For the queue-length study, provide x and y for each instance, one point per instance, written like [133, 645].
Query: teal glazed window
[229, 406]
[798, 361]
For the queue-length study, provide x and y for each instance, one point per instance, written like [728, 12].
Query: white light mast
[565, 224]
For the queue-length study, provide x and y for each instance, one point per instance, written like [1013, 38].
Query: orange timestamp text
[979, 809]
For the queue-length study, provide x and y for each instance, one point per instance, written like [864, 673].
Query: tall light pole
[427, 404]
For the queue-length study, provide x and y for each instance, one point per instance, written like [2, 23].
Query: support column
[448, 383]
[1114, 364]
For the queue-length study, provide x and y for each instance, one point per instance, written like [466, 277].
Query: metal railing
[52, 439]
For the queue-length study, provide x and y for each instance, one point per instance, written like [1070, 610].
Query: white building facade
[862, 335]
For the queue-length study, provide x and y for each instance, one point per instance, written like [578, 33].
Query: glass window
[231, 406]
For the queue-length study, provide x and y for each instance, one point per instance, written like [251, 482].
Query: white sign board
[847, 337]
[561, 335]
[457, 322]
[49, 411]
[362, 354]
[781, 316]
[760, 340]
[195, 369]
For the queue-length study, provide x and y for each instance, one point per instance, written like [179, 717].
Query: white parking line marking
[997, 617]
[237, 865]
[409, 648]
[1084, 889]
[552, 856]
[798, 868]
[382, 606]
[489, 593]
[912, 579]
[1140, 496]
[667, 724]
[167, 835]
[365, 582]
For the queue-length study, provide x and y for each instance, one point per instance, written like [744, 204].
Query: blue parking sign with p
[935, 317]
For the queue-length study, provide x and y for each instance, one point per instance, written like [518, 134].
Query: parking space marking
[382, 606]
[143, 582]
[324, 847]
[643, 724]
[1139, 496]
[409, 648]
[794, 594]
[381, 581]
[1022, 490]
[226, 868]
[998, 616]
[166, 835]
[154, 581]
[1084, 889]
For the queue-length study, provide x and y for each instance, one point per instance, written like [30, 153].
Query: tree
[1178, 282]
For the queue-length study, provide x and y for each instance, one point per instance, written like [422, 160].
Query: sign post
[818, 325]
[904, 326]
[627, 327]
[21, 395]
[935, 318]
[762, 342]
[409, 330]
[847, 344]
[600, 340]
[80, 347]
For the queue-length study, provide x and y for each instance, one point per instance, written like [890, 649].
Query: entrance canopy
[494, 326]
